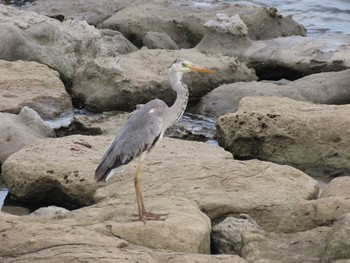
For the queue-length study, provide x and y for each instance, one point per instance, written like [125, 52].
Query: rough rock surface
[62, 46]
[322, 244]
[31, 244]
[284, 57]
[59, 170]
[34, 85]
[338, 187]
[138, 77]
[286, 131]
[17, 131]
[184, 21]
[156, 40]
[226, 236]
[323, 88]
[53, 170]
[311, 214]
[249, 186]
[93, 12]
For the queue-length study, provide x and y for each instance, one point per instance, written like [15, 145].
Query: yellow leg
[139, 198]
[143, 215]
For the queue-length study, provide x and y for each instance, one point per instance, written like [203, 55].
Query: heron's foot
[150, 217]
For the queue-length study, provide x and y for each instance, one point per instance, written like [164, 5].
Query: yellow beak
[199, 69]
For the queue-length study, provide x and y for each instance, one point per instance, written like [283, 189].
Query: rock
[106, 123]
[286, 131]
[201, 172]
[184, 21]
[52, 170]
[91, 11]
[50, 211]
[138, 77]
[62, 46]
[226, 236]
[232, 25]
[307, 246]
[34, 85]
[156, 40]
[17, 131]
[69, 242]
[172, 233]
[310, 214]
[283, 57]
[321, 244]
[338, 187]
[338, 245]
[56, 171]
[323, 88]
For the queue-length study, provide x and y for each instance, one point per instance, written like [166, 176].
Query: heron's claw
[150, 217]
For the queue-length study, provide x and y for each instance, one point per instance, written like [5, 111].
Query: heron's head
[182, 66]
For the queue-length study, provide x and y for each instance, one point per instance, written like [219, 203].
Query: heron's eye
[184, 65]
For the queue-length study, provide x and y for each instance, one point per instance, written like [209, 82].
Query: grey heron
[144, 130]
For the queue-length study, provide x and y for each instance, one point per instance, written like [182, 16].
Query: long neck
[177, 109]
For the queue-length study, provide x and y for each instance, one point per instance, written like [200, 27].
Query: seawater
[321, 17]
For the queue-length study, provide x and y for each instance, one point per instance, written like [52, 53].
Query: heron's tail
[102, 171]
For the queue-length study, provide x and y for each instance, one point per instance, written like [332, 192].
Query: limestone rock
[64, 241]
[91, 11]
[226, 236]
[201, 172]
[310, 214]
[184, 21]
[224, 24]
[52, 170]
[17, 131]
[321, 244]
[59, 171]
[62, 46]
[323, 88]
[156, 40]
[338, 187]
[34, 85]
[307, 246]
[141, 76]
[286, 131]
[50, 211]
[170, 234]
[284, 57]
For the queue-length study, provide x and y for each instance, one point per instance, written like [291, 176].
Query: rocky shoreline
[281, 100]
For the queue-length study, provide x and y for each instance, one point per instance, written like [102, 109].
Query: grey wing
[140, 132]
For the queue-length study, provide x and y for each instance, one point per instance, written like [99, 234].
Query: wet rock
[226, 236]
[286, 131]
[138, 77]
[17, 131]
[24, 83]
[284, 57]
[62, 46]
[156, 40]
[324, 88]
[184, 21]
